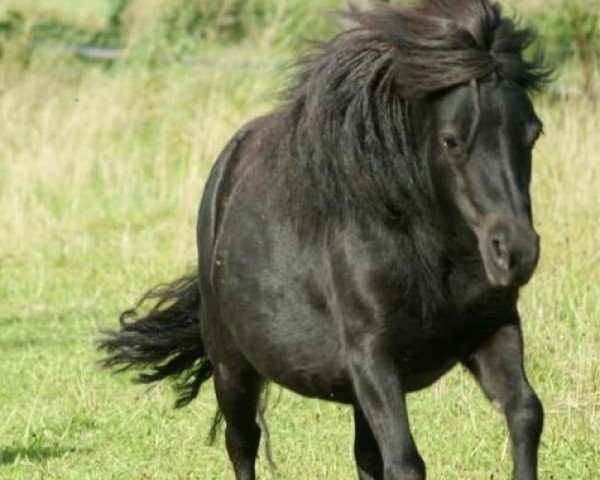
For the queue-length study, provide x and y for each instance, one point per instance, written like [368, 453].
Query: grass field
[100, 174]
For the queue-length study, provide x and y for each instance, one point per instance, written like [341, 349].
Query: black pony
[364, 238]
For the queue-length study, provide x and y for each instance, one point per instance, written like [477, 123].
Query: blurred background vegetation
[111, 115]
[159, 31]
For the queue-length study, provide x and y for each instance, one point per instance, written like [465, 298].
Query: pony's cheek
[464, 199]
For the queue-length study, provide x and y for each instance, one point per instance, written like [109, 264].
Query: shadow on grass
[32, 453]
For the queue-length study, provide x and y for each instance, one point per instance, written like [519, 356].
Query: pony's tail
[165, 341]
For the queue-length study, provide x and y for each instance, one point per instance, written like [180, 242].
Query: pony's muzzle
[510, 251]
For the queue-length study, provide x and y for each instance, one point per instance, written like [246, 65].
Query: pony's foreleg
[366, 450]
[498, 367]
[379, 392]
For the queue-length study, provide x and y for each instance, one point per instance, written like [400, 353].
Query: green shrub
[570, 31]
[186, 26]
[155, 30]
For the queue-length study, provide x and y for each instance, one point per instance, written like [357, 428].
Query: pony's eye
[450, 143]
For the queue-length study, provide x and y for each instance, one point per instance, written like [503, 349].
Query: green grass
[100, 174]
[97, 9]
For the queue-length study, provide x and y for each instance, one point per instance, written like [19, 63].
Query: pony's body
[291, 284]
[357, 243]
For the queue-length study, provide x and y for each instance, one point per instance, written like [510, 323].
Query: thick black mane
[351, 142]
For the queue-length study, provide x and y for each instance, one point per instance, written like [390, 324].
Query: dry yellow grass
[100, 174]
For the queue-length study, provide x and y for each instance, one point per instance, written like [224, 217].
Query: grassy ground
[100, 175]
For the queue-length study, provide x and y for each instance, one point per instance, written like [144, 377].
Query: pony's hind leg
[238, 386]
[366, 451]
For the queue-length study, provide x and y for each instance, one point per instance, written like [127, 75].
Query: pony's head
[481, 138]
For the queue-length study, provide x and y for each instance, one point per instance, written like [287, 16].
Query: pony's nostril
[510, 255]
[500, 253]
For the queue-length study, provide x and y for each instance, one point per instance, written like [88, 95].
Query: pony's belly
[332, 385]
[299, 351]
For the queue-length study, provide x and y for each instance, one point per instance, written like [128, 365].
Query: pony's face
[481, 140]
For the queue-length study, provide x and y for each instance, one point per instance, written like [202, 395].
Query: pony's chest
[451, 334]
[422, 377]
